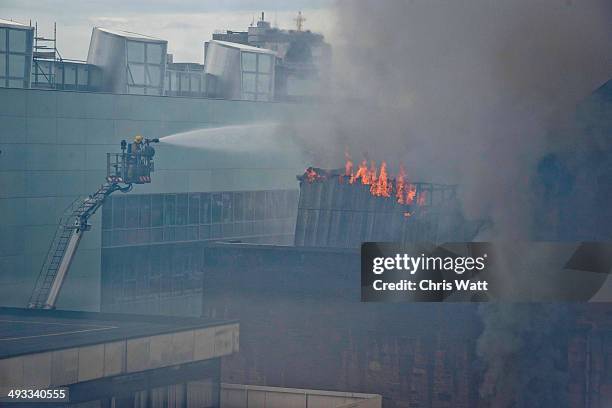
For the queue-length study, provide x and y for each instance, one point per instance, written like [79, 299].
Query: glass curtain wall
[15, 57]
[155, 218]
[65, 75]
[144, 68]
[185, 83]
[256, 76]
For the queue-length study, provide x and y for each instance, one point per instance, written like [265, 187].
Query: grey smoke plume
[525, 348]
[465, 92]
[462, 91]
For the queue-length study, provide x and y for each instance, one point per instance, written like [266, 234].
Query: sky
[185, 24]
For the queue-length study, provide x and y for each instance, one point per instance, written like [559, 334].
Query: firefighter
[137, 145]
[134, 157]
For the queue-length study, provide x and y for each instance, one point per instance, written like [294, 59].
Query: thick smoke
[465, 92]
[525, 349]
[462, 91]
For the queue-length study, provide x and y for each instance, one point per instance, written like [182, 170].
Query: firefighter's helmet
[138, 139]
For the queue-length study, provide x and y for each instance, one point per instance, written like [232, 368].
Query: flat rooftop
[26, 331]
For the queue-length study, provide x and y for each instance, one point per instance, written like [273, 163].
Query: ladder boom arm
[64, 246]
[64, 265]
[122, 170]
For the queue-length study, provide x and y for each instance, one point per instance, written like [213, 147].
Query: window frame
[255, 93]
[147, 86]
[6, 79]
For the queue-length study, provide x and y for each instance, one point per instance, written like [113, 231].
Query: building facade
[54, 146]
[16, 42]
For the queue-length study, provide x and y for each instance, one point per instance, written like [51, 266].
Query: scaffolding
[45, 49]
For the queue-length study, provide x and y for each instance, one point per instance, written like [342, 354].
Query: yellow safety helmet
[138, 139]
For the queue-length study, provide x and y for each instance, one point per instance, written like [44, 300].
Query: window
[15, 57]
[269, 204]
[155, 274]
[137, 74]
[259, 203]
[194, 209]
[17, 41]
[2, 65]
[248, 82]
[44, 67]
[118, 212]
[107, 213]
[249, 206]
[263, 84]
[145, 211]
[82, 76]
[256, 76]
[145, 69]
[69, 74]
[205, 209]
[264, 63]
[169, 206]
[181, 209]
[95, 76]
[131, 211]
[167, 81]
[59, 74]
[249, 61]
[166, 269]
[217, 206]
[135, 51]
[239, 206]
[184, 82]
[42, 72]
[228, 211]
[17, 65]
[195, 83]
[174, 85]
[157, 210]
[154, 53]
[154, 75]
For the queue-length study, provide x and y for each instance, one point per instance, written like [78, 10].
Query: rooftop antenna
[275, 18]
[299, 21]
[252, 21]
[262, 16]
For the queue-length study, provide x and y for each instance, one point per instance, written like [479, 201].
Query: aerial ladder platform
[133, 165]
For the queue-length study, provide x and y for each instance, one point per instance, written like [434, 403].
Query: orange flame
[348, 166]
[362, 173]
[372, 172]
[380, 183]
[311, 175]
[399, 186]
[411, 194]
[422, 198]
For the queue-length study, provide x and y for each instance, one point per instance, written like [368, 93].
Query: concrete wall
[252, 396]
[75, 365]
[54, 146]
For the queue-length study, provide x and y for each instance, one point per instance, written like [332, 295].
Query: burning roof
[379, 183]
[364, 203]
